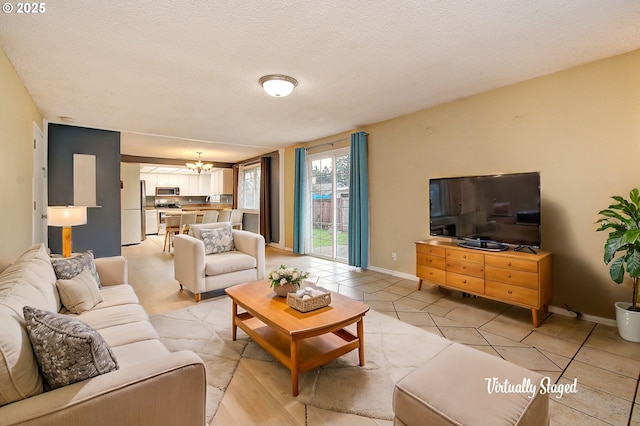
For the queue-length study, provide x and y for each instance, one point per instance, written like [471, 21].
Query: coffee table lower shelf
[301, 352]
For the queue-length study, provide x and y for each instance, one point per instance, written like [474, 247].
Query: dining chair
[224, 216]
[236, 218]
[210, 216]
[172, 227]
[187, 219]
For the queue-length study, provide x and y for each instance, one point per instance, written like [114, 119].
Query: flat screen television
[487, 212]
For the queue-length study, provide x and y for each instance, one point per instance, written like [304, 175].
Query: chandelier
[278, 85]
[199, 166]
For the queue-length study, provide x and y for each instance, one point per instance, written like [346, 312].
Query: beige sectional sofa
[151, 385]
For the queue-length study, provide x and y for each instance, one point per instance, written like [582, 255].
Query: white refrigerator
[131, 204]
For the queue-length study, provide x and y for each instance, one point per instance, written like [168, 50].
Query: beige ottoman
[452, 389]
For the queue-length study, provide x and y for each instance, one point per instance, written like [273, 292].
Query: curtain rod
[332, 142]
[328, 143]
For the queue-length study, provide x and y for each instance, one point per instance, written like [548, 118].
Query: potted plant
[286, 280]
[622, 253]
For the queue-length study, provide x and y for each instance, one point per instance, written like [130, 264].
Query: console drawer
[510, 263]
[465, 268]
[465, 282]
[431, 261]
[465, 255]
[433, 275]
[512, 276]
[506, 292]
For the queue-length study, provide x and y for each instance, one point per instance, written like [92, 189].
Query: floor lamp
[66, 217]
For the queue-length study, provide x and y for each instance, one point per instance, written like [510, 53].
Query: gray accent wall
[102, 231]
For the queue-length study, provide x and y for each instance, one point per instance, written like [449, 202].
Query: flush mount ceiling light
[278, 85]
[199, 166]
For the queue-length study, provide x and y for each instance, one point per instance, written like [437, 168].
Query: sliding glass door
[329, 204]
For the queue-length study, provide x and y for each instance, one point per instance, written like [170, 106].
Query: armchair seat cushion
[232, 261]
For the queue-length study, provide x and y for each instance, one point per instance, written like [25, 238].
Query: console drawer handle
[508, 263]
[464, 281]
[509, 291]
[508, 275]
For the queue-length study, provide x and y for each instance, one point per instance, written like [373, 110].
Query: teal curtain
[299, 201]
[359, 202]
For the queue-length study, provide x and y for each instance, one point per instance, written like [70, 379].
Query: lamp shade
[66, 216]
[278, 85]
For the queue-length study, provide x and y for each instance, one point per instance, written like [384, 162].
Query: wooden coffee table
[300, 341]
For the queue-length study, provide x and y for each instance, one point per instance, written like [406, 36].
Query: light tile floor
[606, 367]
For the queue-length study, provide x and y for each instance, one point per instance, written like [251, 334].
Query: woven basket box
[311, 303]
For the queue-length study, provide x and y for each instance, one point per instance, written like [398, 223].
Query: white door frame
[39, 187]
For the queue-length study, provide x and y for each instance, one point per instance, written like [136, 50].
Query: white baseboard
[587, 317]
[394, 273]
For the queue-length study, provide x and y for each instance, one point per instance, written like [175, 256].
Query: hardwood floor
[562, 348]
[254, 396]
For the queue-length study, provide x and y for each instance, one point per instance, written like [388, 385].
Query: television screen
[502, 208]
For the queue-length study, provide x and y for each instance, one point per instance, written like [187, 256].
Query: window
[250, 187]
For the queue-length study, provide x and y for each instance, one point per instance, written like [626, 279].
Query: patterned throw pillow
[67, 350]
[68, 267]
[80, 293]
[217, 240]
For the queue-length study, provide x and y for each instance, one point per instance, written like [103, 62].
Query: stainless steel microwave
[167, 190]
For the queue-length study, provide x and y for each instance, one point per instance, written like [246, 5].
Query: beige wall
[17, 114]
[579, 128]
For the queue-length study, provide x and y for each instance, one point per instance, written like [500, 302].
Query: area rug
[392, 349]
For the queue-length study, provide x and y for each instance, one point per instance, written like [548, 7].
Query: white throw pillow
[80, 293]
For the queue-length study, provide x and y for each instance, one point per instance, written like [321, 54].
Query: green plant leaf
[630, 237]
[634, 195]
[633, 264]
[617, 270]
[611, 246]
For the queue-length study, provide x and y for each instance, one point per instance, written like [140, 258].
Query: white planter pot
[628, 322]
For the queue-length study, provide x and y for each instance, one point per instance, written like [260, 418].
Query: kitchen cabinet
[150, 183]
[204, 184]
[222, 181]
[183, 183]
[189, 184]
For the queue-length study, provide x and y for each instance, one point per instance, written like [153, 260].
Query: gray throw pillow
[67, 349]
[68, 267]
[217, 240]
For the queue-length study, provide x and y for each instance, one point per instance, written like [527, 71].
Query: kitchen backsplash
[193, 199]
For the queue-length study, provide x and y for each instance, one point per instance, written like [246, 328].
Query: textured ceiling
[189, 70]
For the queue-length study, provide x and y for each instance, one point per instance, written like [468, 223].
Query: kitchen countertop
[206, 206]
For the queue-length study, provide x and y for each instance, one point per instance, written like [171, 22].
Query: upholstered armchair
[214, 256]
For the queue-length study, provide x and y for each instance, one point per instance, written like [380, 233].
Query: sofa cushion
[124, 334]
[68, 267]
[67, 350]
[79, 293]
[114, 295]
[218, 240]
[232, 261]
[112, 316]
[30, 280]
[19, 374]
